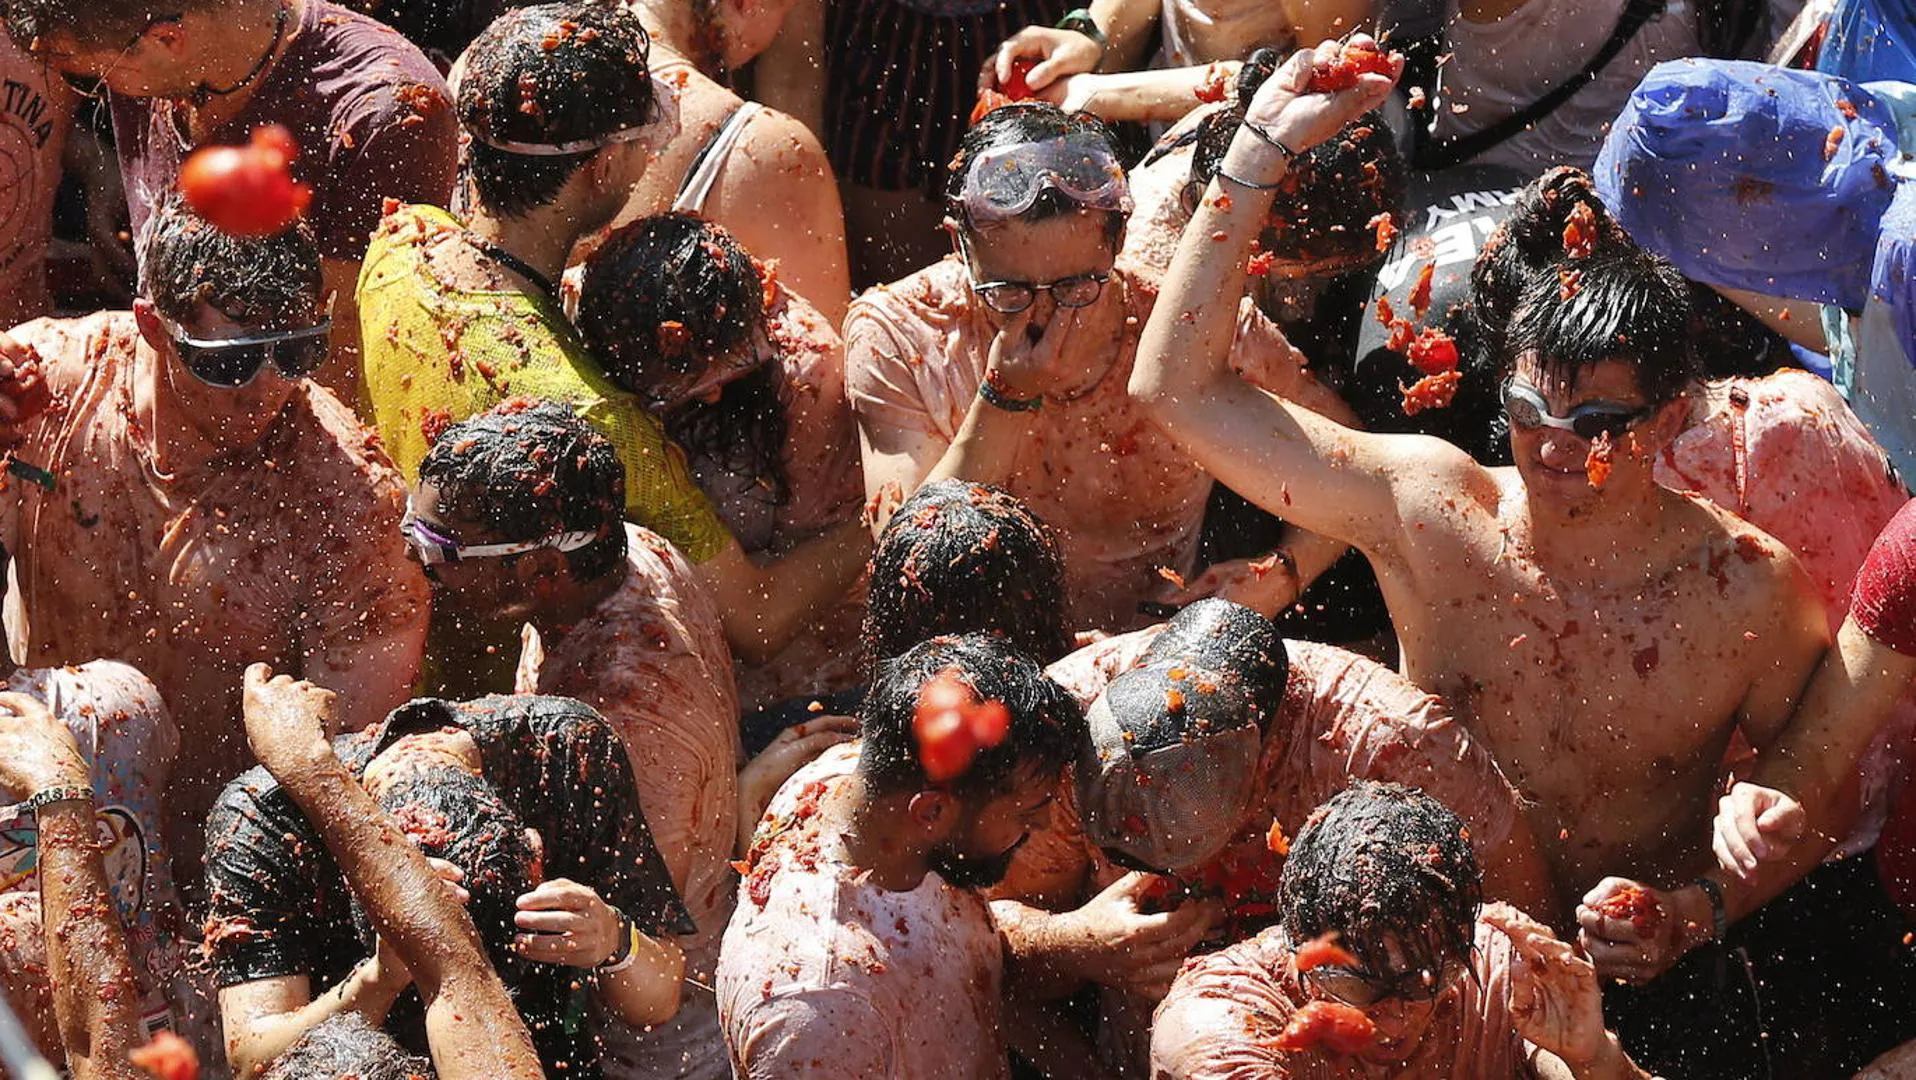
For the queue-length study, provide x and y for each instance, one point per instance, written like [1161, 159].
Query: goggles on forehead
[1005, 181]
[660, 127]
[434, 547]
[234, 362]
[1527, 409]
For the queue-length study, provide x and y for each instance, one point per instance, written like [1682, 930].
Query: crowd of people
[918, 539]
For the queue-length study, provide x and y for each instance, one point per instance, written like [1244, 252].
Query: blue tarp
[1871, 41]
[1729, 170]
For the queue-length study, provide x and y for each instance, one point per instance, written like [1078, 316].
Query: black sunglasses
[234, 362]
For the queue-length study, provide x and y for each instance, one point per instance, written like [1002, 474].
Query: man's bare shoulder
[1441, 490]
[72, 349]
[1749, 566]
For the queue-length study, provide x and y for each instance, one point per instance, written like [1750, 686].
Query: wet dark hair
[964, 558]
[552, 73]
[1384, 861]
[680, 271]
[459, 817]
[345, 1047]
[92, 23]
[1529, 244]
[529, 469]
[1333, 190]
[1046, 723]
[1628, 305]
[265, 284]
[1230, 639]
[1026, 122]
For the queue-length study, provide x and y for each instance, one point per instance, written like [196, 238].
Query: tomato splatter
[1430, 392]
[1833, 142]
[1275, 840]
[1420, 292]
[1359, 59]
[1322, 951]
[988, 100]
[952, 726]
[1385, 225]
[1261, 264]
[1327, 1025]
[1433, 352]
[167, 1057]
[1015, 85]
[1216, 85]
[1635, 904]
[1386, 315]
[1580, 231]
[1597, 463]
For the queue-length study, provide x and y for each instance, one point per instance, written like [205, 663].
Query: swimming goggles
[1527, 409]
[434, 547]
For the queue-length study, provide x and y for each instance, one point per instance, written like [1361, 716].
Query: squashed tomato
[167, 1057]
[1328, 1025]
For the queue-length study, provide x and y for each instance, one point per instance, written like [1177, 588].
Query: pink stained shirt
[1124, 500]
[826, 975]
[287, 552]
[1344, 717]
[652, 659]
[827, 488]
[1224, 1012]
[35, 115]
[1885, 601]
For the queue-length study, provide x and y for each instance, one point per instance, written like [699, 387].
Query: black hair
[1046, 724]
[1627, 305]
[665, 297]
[1529, 243]
[459, 817]
[270, 283]
[964, 558]
[1231, 639]
[1027, 122]
[1331, 192]
[528, 469]
[91, 23]
[549, 74]
[1380, 862]
[344, 1046]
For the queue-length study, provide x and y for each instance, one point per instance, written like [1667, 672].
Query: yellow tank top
[432, 355]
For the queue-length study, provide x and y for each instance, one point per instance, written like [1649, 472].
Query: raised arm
[471, 1024]
[1315, 473]
[95, 996]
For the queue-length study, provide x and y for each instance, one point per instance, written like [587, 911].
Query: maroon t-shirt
[1884, 603]
[371, 114]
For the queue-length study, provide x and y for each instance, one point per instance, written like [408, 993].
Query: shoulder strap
[1434, 154]
[703, 174]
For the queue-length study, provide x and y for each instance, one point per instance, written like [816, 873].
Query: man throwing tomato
[1603, 636]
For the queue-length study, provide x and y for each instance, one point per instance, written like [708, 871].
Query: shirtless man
[1539, 601]
[203, 505]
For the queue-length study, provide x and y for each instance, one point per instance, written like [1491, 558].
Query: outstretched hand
[1284, 109]
[36, 750]
[287, 719]
[1555, 1000]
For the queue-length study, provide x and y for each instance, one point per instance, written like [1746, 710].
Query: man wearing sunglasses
[1217, 732]
[367, 109]
[1005, 364]
[1456, 989]
[194, 503]
[1606, 637]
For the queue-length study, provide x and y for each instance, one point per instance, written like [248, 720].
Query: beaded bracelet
[998, 400]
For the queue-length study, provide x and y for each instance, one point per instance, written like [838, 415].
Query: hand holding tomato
[247, 190]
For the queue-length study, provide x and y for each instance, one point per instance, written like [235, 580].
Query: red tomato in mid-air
[247, 190]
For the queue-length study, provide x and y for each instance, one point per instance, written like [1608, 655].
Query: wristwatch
[1080, 20]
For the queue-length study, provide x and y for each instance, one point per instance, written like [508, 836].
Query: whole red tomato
[1015, 87]
[247, 190]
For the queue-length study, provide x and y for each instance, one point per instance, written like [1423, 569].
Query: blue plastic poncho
[1730, 170]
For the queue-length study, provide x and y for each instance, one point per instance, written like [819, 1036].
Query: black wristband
[1221, 174]
[997, 400]
[1079, 20]
[615, 963]
[1271, 140]
[1719, 917]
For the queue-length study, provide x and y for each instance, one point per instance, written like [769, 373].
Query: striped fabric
[901, 82]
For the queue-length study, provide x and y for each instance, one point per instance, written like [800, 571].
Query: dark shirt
[371, 115]
[280, 906]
